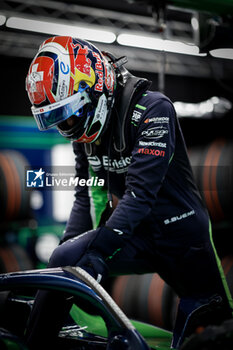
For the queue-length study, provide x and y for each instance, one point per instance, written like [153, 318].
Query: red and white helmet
[71, 77]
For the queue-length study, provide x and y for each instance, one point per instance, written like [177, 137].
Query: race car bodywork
[100, 325]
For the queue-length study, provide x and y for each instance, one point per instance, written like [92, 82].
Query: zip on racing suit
[160, 223]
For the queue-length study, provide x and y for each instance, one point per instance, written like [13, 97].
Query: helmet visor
[53, 114]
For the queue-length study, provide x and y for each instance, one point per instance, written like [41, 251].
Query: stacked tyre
[213, 170]
[148, 298]
[14, 199]
[13, 258]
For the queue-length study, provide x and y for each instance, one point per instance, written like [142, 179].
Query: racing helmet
[71, 85]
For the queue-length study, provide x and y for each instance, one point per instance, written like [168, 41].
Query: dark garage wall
[14, 100]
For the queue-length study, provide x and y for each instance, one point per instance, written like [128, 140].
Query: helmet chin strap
[132, 88]
[129, 89]
[115, 62]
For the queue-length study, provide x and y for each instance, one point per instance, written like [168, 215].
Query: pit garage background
[186, 49]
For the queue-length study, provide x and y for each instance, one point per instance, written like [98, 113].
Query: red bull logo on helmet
[82, 63]
[83, 70]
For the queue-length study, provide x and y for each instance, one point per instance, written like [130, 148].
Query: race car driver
[152, 218]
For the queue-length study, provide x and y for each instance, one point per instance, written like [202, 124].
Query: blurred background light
[45, 245]
[222, 53]
[55, 28]
[62, 155]
[152, 43]
[2, 20]
[101, 35]
[194, 23]
[213, 107]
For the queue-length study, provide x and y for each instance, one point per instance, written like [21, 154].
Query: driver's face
[68, 123]
[71, 121]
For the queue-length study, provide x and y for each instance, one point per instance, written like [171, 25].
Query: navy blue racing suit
[160, 222]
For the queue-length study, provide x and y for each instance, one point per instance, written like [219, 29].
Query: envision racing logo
[118, 165]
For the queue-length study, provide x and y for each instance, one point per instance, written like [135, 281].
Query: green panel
[99, 196]
[157, 338]
[24, 233]
[22, 132]
[150, 331]
[10, 344]
[24, 140]
[56, 229]
[223, 277]
[13, 120]
[219, 7]
[95, 324]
